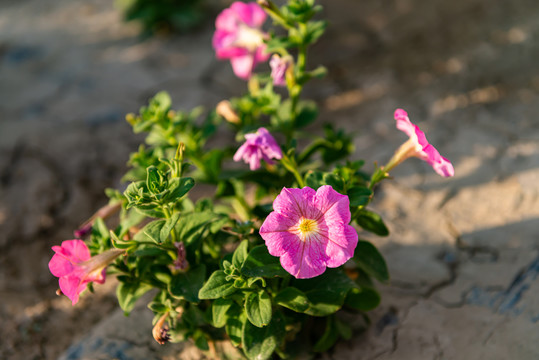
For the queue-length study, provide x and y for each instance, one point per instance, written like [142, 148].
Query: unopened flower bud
[160, 330]
[224, 109]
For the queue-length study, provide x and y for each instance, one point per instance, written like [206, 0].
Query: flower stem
[290, 165]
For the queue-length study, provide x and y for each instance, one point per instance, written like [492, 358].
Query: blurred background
[463, 253]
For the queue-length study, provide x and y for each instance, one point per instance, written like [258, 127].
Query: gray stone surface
[463, 252]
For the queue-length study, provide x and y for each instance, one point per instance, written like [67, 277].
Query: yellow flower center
[307, 227]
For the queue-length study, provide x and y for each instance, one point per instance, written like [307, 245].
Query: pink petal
[254, 160]
[270, 147]
[278, 67]
[306, 259]
[227, 20]
[230, 52]
[297, 203]
[251, 13]
[60, 266]
[261, 55]
[242, 151]
[275, 232]
[341, 245]
[334, 206]
[403, 122]
[70, 287]
[440, 164]
[243, 66]
[76, 250]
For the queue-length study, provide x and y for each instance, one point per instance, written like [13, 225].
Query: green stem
[164, 247]
[168, 215]
[291, 166]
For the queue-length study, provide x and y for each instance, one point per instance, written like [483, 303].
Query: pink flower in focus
[75, 268]
[258, 146]
[239, 37]
[418, 146]
[309, 230]
[279, 65]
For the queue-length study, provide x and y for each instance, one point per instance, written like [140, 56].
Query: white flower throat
[249, 38]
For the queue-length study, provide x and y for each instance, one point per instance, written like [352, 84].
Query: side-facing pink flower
[258, 146]
[75, 268]
[309, 230]
[239, 37]
[418, 146]
[279, 66]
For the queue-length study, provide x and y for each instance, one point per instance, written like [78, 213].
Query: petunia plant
[271, 253]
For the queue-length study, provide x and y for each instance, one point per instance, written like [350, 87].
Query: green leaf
[178, 187]
[315, 29]
[152, 232]
[329, 338]
[235, 323]
[129, 292]
[161, 101]
[260, 343]
[217, 286]
[307, 113]
[191, 226]
[335, 181]
[219, 309]
[240, 254]
[372, 222]
[200, 341]
[323, 302]
[259, 262]
[156, 182]
[326, 293]
[168, 226]
[363, 299]
[188, 284]
[369, 259]
[292, 299]
[359, 196]
[344, 329]
[258, 308]
[314, 179]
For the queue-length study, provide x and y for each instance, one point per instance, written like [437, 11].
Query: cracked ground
[463, 252]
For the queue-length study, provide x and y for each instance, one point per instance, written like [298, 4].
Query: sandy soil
[463, 253]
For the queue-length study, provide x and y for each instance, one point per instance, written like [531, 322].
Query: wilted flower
[75, 268]
[417, 146]
[258, 146]
[279, 66]
[309, 230]
[239, 37]
[181, 262]
[224, 109]
[160, 330]
[104, 212]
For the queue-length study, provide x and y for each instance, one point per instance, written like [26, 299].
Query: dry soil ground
[463, 252]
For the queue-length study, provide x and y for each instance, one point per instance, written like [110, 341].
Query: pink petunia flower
[418, 146]
[75, 268]
[239, 37]
[309, 230]
[258, 146]
[279, 66]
